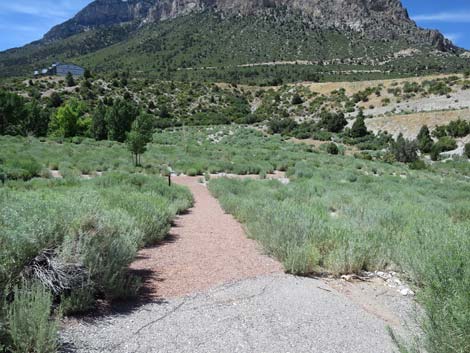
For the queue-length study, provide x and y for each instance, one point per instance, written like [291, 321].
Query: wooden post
[169, 179]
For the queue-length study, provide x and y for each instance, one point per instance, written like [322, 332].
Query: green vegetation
[139, 136]
[444, 144]
[223, 149]
[467, 150]
[340, 216]
[425, 142]
[70, 242]
[404, 151]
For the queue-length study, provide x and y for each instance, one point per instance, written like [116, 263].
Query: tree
[333, 122]
[119, 119]
[70, 80]
[55, 100]
[405, 151]
[99, 127]
[425, 142]
[297, 99]
[458, 128]
[12, 113]
[282, 126]
[87, 74]
[359, 128]
[139, 136]
[65, 122]
[37, 121]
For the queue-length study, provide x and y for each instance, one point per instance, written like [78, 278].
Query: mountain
[378, 19]
[241, 40]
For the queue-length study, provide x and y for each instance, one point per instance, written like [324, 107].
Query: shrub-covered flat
[341, 215]
[77, 239]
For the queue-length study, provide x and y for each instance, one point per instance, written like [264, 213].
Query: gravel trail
[212, 290]
[206, 248]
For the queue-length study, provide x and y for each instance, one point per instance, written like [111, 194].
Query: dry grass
[410, 124]
[354, 87]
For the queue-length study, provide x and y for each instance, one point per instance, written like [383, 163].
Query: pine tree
[70, 80]
[359, 128]
[425, 141]
[87, 74]
[405, 151]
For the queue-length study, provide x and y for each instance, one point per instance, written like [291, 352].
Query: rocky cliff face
[377, 19]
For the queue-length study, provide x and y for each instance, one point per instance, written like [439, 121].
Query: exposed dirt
[410, 124]
[206, 248]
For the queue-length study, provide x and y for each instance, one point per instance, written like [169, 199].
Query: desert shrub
[467, 150]
[333, 122]
[108, 243]
[332, 148]
[23, 168]
[444, 144]
[322, 135]
[458, 128]
[418, 165]
[440, 131]
[78, 301]
[95, 227]
[297, 99]
[30, 327]
[320, 223]
[282, 126]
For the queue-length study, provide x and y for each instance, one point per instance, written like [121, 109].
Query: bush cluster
[88, 231]
[336, 217]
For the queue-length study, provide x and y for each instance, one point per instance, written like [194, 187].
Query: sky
[23, 21]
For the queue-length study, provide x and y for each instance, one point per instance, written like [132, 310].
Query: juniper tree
[425, 141]
[405, 151]
[359, 128]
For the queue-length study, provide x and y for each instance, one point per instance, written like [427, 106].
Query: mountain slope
[172, 38]
[378, 19]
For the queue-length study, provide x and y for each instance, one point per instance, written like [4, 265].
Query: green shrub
[332, 148]
[29, 324]
[322, 223]
[78, 301]
[446, 143]
[418, 165]
[22, 168]
[467, 150]
[458, 128]
[333, 122]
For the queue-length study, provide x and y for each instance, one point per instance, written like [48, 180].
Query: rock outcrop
[376, 19]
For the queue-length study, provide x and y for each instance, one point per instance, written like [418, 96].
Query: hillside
[240, 41]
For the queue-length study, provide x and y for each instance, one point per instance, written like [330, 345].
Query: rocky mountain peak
[384, 19]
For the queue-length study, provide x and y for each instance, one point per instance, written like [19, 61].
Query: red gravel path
[206, 248]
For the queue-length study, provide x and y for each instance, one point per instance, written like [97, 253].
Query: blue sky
[23, 21]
